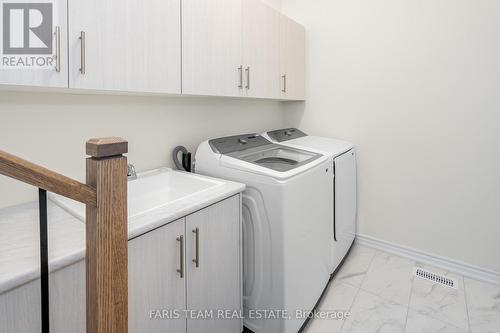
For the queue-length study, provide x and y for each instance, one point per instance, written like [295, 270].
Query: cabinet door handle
[248, 77]
[180, 270]
[196, 259]
[284, 83]
[58, 49]
[82, 52]
[240, 71]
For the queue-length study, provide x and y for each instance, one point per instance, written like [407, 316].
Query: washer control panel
[234, 143]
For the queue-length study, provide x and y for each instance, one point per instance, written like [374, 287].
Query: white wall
[276, 4]
[416, 86]
[51, 128]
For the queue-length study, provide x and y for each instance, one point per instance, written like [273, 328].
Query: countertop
[19, 242]
[19, 237]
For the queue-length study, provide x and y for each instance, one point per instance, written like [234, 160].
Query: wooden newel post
[106, 237]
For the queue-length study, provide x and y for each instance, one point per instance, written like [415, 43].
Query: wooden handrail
[30, 173]
[106, 239]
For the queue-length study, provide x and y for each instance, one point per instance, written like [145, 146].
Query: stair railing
[105, 197]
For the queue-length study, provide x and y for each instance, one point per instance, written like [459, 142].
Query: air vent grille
[436, 278]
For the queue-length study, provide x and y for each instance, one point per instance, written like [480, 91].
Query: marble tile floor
[381, 294]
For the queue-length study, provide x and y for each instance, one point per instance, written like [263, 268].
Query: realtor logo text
[27, 34]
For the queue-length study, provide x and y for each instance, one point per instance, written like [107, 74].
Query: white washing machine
[286, 243]
[343, 184]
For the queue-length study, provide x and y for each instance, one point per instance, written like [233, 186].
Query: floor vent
[436, 278]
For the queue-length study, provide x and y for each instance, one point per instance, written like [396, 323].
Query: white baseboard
[452, 265]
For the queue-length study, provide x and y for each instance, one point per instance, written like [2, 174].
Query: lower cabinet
[20, 307]
[154, 285]
[189, 268]
[186, 276]
[213, 267]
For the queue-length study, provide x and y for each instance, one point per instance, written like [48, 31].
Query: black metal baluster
[44, 259]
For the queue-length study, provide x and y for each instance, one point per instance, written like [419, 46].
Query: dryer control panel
[286, 134]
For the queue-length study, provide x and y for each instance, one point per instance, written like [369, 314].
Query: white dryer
[286, 243]
[343, 184]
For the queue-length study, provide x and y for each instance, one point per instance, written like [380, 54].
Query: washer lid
[257, 150]
[276, 157]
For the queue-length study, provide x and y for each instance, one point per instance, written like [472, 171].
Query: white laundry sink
[151, 190]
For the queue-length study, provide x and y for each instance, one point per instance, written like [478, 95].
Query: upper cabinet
[241, 48]
[292, 59]
[125, 45]
[211, 47]
[39, 58]
[261, 49]
[234, 48]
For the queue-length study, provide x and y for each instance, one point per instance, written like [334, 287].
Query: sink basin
[151, 190]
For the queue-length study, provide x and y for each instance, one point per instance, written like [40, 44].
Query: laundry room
[258, 166]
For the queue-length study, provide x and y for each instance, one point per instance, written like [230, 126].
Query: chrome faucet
[131, 174]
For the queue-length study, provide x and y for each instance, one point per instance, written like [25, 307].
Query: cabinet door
[261, 49]
[128, 45]
[154, 284]
[292, 54]
[211, 47]
[215, 283]
[51, 75]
